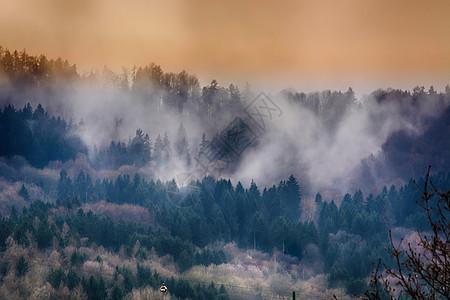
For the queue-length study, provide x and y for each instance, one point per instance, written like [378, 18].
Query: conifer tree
[167, 151]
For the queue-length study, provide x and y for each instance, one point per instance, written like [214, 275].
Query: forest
[96, 208]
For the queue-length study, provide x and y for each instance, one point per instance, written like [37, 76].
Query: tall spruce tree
[182, 145]
[158, 150]
[167, 151]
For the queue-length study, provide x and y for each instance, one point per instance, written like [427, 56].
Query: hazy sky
[303, 44]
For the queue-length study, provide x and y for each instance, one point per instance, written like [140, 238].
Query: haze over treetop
[343, 42]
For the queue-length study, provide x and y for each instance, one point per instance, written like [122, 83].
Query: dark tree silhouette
[422, 273]
[22, 266]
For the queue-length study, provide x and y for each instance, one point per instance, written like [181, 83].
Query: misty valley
[114, 184]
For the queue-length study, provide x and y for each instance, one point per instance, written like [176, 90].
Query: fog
[320, 137]
[327, 160]
[331, 141]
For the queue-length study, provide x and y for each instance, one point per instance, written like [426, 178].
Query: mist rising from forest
[326, 146]
[322, 137]
[110, 159]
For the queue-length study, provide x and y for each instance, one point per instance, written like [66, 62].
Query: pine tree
[117, 292]
[27, 111]
[13, 215]
[318, 199]
[22, 266]
[293, 197]
[64, 186]
[167, 151]
[23, 192]
[139, 149]
[72, 279]
[202, 145]
[39, 113]
[44, 234]
[95, 289]
[182, 145]
[235, 94]
[158, 150]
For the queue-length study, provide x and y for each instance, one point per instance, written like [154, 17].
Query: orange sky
[298, 43]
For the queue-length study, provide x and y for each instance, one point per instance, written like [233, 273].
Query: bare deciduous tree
[421, 272]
